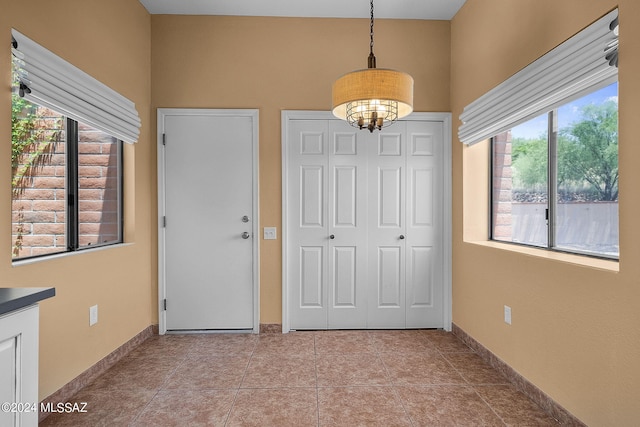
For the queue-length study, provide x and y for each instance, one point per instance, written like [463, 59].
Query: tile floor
[324, 378]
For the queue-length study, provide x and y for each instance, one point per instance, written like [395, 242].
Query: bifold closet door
[307, 212]
[327, 234]
[347, 202]
[386, 207]
[424, 225]
[362, 225]
[405, 226]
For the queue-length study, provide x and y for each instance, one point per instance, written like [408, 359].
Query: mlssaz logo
[64, 407]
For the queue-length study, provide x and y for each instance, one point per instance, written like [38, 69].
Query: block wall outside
[502, 186]
[39, 205]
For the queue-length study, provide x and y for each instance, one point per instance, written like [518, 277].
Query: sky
[567, 114]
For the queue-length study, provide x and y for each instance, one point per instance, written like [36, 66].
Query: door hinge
[546, 214]
[164, 139]
[164, 222]
[164, 304]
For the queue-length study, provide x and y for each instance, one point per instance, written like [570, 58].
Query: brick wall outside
[98, 187]
[502, 186]
[39, 207]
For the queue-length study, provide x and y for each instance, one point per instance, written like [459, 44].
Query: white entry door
[364, 225]
[208, 224]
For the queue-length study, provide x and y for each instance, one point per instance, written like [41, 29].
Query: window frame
[552, 193]
[72, 189]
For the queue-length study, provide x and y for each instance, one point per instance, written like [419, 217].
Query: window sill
[19, 263]
[586, 261]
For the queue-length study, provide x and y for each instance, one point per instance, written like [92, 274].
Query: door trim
[162, 114]
[445, 118]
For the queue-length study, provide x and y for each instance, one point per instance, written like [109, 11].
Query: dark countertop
[12, 299]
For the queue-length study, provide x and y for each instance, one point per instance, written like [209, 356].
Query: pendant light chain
[372, 58]
[371, 32]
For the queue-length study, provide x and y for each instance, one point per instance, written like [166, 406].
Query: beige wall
[576, 324]
[111, 41]
[576, 328]
[276, 64]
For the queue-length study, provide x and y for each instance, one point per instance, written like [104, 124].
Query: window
[67, 135]
[66, 183]
[555, 178]
[554, 132]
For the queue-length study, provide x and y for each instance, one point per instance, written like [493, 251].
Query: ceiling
[397, 9]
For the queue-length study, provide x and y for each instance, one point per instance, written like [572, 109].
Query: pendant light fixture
[374, 97]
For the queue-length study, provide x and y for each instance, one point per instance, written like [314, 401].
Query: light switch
[93, 315]
[507, 314]
[270, 233]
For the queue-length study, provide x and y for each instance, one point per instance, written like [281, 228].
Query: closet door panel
[387, 200]
[423, 229]
[307, 213]
[348, 226]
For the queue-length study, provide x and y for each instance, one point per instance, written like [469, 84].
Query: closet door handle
[402, 237]
[332, 237]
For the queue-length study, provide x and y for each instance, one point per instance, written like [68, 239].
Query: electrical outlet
[507, 314]
[93, 315]
[270, 233]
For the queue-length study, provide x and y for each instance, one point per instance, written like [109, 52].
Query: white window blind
[583, 63]
[50, 81]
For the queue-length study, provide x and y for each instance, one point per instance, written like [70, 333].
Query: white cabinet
[19, 367]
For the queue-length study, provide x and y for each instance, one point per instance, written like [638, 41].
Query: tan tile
[350, 369]
[74, 420]
[194, 379]
[416, 368]
[82, 420]
[187, 408]
[148, 372]
[360, 406]
[225, 344]
[446, 342]
[337, 342]
[105, 407]
[208, 372]
[401, 342]
[280, 370]
[275, 407]
[446, 406]
[293, 343]
[513, 407]
[177, 346]
[473, 369]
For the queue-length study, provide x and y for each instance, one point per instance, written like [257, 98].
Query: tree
[587, 155]
[529, 160]
[588, 150]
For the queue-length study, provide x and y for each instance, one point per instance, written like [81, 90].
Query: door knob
[332, 237]
[245, 219]
[245, 235]
[402, 237]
